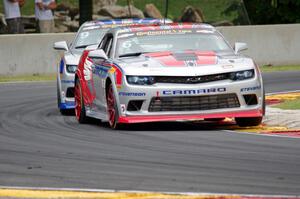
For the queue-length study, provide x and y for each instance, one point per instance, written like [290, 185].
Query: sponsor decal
[194, 91]
[129, 94]
[250, 89]
[116, 71]
[164, 32]
[67, 81]
[87, 71]
[101, 71]
[123, 108]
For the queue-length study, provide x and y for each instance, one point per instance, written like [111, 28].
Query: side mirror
[98, 54]
[61, 45]
[238, 47]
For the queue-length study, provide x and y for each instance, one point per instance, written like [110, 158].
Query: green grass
[212, 9]
[280, 68]
[290, 105]
[35, 77]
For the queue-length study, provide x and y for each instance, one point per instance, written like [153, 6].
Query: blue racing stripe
[68, 81]
[68, 105]
[61, 66]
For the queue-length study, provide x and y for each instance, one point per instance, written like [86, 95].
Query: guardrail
[33, 53]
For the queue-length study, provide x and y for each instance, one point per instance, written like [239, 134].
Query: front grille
[192, 79]
[193, 103]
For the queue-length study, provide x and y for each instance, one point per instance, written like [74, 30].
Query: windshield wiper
[132, 54]
[83, 46]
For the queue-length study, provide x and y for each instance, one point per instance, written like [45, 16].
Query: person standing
[44, 15]
[13, 15]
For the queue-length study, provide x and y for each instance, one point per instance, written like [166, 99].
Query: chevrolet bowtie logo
[191, 63]
[193, 79]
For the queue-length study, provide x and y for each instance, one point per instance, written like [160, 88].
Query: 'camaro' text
[193, 92]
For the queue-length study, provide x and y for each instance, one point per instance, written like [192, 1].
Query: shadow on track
[200, 125]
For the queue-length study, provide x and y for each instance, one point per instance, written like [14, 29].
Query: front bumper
[191, 117]
[67, 92]
[146, 93]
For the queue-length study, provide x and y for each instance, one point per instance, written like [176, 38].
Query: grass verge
[289, 105]
[34, 77]
[271, 68]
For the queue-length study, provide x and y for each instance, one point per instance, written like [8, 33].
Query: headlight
[242, 75]
[71, 68]
[140, 80]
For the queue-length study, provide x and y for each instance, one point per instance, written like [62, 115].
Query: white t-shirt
[11, 10]
[43, 14]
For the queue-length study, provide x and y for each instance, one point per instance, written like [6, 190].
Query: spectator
[13, 15]
[44, 15]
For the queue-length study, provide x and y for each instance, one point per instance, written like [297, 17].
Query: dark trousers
[15, 25]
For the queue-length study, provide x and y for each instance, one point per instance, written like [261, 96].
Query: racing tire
[248, 121]
[58, 95]
[65, 111]
[264, 103]
[79, 104]
[112, 108]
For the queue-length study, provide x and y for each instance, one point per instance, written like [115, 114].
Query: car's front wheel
[248, 121]
[79, 104]
[112, 108]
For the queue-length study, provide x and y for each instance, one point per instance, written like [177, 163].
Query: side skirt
[96, 114]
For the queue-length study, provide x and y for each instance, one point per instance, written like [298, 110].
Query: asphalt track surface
[41, 148]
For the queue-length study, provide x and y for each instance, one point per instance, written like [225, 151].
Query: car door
[100, 73]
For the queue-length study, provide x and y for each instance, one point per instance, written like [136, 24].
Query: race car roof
[112, 22]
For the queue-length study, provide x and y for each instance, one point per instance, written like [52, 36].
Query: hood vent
[185, 56]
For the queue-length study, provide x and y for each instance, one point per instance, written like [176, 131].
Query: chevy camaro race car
[168, 73]
[88, 34]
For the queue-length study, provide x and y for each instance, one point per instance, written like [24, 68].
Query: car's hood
[189, 63]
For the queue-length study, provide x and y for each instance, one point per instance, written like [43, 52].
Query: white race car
[167, 73]
[90, 33]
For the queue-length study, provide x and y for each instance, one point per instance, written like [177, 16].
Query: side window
[103, 42]
[108, 45]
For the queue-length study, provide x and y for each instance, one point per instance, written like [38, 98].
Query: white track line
[139, 191]
[261, 134]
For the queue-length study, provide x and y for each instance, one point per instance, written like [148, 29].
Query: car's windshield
[156, 41]
[89, 37]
